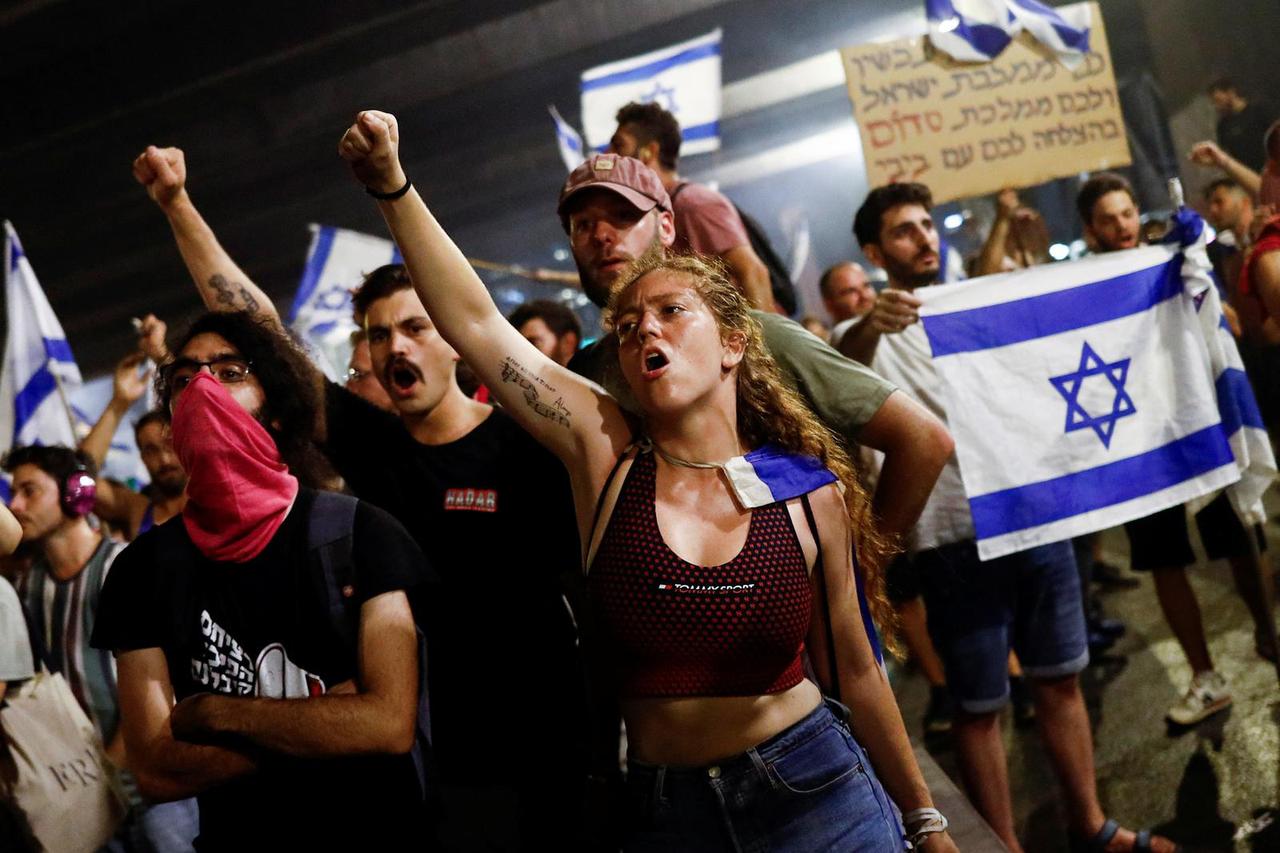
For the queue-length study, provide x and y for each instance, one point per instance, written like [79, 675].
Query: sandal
[1098, 843]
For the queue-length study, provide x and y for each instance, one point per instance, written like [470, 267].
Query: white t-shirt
[15, 647]
[904, 358]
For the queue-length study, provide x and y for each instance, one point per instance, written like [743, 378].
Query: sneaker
[937, 716]
[1207, 695]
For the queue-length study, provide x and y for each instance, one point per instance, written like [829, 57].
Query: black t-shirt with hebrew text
[262, 628]
[494, 514]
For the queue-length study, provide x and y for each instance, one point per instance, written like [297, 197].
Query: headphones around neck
[79, 490]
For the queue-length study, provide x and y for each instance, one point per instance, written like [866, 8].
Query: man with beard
[131, 511]
[977, 611]
[277, 616]
[1161, 543]
[492, 511]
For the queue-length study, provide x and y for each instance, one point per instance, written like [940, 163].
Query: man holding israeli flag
[683, 79]
[39, 369]
[1028, 596]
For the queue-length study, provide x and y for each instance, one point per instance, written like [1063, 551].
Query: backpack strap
[594, 535]
[833, 669]
[330, 541]
[330, 531]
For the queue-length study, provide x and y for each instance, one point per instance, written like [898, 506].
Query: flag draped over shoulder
[1083, 395]
[979, 30]
[39, 369]
[337, 262]
[683, 78]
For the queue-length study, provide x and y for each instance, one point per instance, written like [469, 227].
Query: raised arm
[875, 719]
[222, 284]
[1210, 154]
[991, 258]
[572, 417]
[378, 717]
[166, 769]
[113, 502]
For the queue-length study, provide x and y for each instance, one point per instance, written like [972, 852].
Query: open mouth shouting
[402, 378]
[653, 363]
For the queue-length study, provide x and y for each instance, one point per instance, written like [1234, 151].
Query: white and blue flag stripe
[980, 30]
[683, 78]
[1080, 395]
[39, 368]
[568, 140]
[337, 262]
[1241, 418]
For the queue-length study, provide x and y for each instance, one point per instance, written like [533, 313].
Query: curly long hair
[771, 412]
[291, 400]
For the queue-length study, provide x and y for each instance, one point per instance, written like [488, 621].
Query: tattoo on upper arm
[250, 304]
[227, 296]
[517, 374]
[222, 287]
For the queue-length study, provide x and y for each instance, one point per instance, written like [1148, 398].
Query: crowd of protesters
[397, 614]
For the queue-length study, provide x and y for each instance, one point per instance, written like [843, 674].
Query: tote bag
[59, 776]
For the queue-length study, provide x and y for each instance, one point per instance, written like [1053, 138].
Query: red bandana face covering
[239, 490]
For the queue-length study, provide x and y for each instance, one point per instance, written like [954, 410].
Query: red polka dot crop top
[675, 629]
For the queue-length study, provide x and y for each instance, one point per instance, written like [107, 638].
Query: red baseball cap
[626, 176]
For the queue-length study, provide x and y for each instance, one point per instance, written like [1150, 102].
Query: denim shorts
[807, 788]
[1029, 601]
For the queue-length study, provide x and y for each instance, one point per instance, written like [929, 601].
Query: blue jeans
[808, 788]
[1028, 601]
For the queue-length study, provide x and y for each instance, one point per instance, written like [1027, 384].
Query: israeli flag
[39, 370]
[1080, 395]
[568, 140]
[337, 262]
[683, 78]
[1241, 419]
[980, 30]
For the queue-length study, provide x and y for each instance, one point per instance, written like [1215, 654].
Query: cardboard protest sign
[970, 128]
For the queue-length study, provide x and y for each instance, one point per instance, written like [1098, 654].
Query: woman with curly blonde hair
[720, 536]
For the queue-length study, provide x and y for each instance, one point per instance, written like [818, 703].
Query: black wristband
[391, 196]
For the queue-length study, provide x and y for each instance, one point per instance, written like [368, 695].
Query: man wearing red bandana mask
[283, 719]
[493, 512]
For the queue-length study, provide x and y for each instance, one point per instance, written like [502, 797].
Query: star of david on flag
[1070, 385]
[1085, 394]
[683, 79]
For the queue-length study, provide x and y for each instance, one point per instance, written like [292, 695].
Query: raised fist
[894, 311]
[163, 171]
[372, 146]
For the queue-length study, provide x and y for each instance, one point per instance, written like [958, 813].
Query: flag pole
[66, 406]
[1251, 529]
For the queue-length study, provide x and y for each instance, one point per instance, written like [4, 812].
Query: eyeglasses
[227, 369]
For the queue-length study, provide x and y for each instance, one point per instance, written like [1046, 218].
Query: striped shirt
[62, 614]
